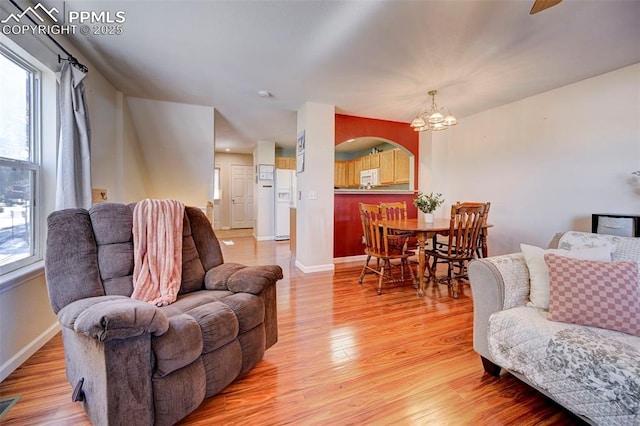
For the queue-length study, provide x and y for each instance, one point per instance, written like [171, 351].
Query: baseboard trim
[348, 259]
[18, 359]
[317, 268]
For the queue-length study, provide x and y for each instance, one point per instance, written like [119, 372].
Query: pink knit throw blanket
[157, 251]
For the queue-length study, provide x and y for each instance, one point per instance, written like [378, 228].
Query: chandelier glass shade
[431, 118]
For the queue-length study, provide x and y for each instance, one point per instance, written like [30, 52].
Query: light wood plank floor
[345, 356]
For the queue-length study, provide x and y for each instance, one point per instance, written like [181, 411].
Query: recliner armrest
[497, 283]
[113, 317]
[240, 278]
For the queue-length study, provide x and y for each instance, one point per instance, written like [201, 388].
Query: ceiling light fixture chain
[431, 118]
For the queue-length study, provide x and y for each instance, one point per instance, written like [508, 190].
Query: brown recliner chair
[131, 362]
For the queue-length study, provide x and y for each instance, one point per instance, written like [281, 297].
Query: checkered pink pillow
[596, 293]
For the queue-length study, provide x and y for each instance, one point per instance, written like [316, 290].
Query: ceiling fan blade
[541, 5]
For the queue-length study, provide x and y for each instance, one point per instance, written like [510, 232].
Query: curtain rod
[70, 58]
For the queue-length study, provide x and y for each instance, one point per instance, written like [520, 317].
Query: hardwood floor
[345, 356]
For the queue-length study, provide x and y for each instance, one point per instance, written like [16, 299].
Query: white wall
[314, 212]
[177, 142]
[548, 162]
[133, 179]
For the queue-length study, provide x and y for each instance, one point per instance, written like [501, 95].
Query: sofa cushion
[178, 347]
[192, 270]
[76, 264]
[605, 388]
[539, 274]
[111, 223]
[204, 238]
[218, 324]
[595, 293]
[188, 301]
[248, 308]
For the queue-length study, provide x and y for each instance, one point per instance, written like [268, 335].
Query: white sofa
[593, 372]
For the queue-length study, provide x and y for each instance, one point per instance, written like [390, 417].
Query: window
[19, 161]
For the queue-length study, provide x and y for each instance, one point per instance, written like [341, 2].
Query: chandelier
[432, 118]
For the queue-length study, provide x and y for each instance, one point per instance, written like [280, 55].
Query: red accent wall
[347, 227]
[349, 127]
[346, 220]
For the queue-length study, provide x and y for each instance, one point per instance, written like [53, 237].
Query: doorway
[241, 196]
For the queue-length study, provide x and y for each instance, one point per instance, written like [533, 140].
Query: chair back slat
[465, 226]
[374, 228]
[369, 215]
[394, 211]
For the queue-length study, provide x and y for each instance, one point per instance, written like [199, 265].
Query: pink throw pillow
[595, 293]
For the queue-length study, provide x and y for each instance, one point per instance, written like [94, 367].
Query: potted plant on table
[428, 203]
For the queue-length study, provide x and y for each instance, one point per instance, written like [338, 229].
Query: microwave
[369, 178]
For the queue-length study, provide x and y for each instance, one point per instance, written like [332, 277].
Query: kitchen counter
[373, 191]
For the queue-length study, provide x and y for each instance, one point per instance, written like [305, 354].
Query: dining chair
[373, 209]
[370, 210]
[463, 240]
[389, 250]
[397, 210]
[440, 244]
[483, 236]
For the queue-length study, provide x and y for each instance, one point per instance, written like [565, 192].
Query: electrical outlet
[313, 195]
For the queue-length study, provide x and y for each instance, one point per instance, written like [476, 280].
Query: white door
[241, 196]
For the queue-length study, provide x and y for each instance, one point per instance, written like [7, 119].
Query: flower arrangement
[428, 203]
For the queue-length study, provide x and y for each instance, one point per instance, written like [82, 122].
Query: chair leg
[380, 280]
[434, 266]
[364, 269]
[387, 264]
[428, 268]
[449, 284]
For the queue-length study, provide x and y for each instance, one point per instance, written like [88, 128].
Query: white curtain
[73, 188]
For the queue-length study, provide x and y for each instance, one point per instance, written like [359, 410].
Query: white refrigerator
[285, 198]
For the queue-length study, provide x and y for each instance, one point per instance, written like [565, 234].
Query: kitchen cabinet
[386, 167]
[374, 159]
[371, 161]
[285, 163]
[353, 172]
[400, 166]
[366, 162]
[393, 165]
[357, 168]
[350, 173]
[340, 174]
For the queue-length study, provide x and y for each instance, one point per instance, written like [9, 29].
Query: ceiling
[368, 58]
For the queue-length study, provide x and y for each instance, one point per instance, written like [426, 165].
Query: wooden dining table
[424, 231]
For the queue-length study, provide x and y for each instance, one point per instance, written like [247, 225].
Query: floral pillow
[594, 293]
[539, 275]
